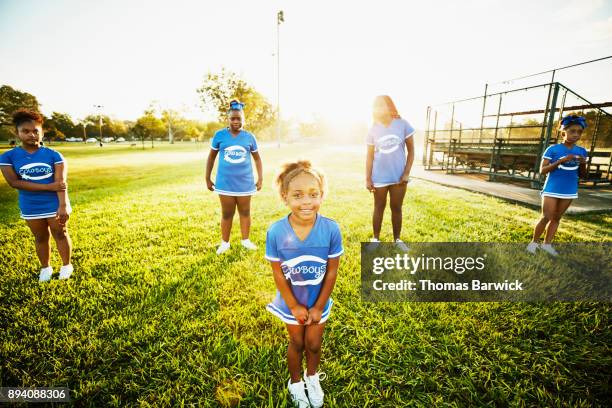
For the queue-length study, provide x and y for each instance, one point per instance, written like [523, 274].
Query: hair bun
[303, 164]
[300, 164]
[290, 170]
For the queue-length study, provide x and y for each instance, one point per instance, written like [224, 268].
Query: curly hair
[23, 115]
[291, 170]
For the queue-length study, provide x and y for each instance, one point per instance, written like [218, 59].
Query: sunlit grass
[153, 317]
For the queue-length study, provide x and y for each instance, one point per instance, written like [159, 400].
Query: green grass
[152, 317]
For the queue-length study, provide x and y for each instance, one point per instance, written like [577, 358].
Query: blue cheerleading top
[562, 182]
[304, 263]
[235, 171]
[37, 167]
[389, 151]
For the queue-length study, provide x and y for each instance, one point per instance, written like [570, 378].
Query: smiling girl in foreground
[304, 249]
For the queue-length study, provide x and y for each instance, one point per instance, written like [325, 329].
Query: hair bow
[236, 105]
[573, 120]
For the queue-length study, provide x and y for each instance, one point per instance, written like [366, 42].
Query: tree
[64, 124]
[219, 89]
[91, 123]
[119, 127]
[174, 122]
[110, 127]
[310, 129]
[10, 100]
[140, 132]
[149, 126]
[50, 130]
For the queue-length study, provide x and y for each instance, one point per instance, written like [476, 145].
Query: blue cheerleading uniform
[37, 167]
[389, 151]
[235, 171]
[304, 263]
[563, 181]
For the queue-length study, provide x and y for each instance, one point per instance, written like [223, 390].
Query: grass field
[152, 317]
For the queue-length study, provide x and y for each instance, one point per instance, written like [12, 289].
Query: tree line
[215, 93]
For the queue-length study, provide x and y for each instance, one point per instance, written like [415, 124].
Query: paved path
[590, 200]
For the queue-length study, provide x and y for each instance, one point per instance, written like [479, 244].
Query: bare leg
[380, 202]
[228, 208]
[549, 205]
[40, 229]
[244, 211]
[313, 340]
[397, 192]
[295, 351]
[562, 206]
[62, 240]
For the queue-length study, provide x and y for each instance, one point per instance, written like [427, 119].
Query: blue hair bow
[573, 120]
[236, 105]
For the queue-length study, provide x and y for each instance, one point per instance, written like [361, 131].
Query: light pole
[280, 18]
[99, 107]
[84, 123]
[170, 132]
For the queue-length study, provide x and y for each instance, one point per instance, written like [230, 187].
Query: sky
[335, 56]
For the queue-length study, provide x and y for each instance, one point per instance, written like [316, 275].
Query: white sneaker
[248, 244]
[549, 248]
[45, 274]
[374, 243]
[298, 394]
[401, 245]
[315, 393]
[223, 247]
[66, 271]
[532, 247]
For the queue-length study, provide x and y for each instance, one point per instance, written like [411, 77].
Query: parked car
[120, 139]
[91, 140]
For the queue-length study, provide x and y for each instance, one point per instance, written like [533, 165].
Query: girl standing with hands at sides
[389, 160]
[304, 249]
[39, 174]
[562, 163]
[234, 183]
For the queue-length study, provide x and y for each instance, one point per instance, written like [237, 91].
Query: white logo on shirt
[235, 154]
[35, 171]
[305, 265]
[388, 143]
[569, 165]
